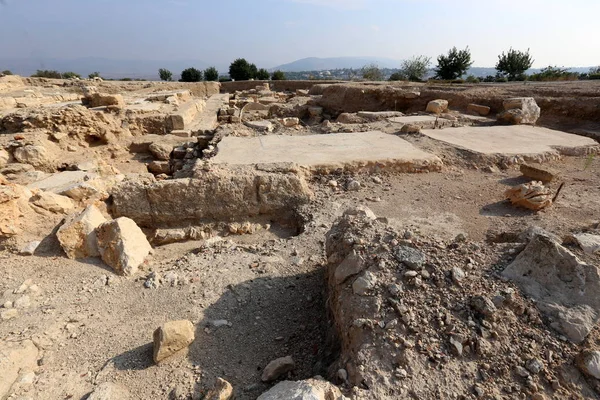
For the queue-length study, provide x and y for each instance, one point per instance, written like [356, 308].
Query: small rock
[29, 248]
[410, 274]
[534, 366]
[410, 257]
[332, 183]
[22, 302]
[588, 362]
[353, 186]
[362, 211]
[171, 338]
[456, 345]
[410, 128]
[377, 180]
[171, 279]
[277, 368]
[363, 284]
[522, 372]
[221, 391]
[342, 375]
[458, 275]
[9, 314]
[153, 281]
[483, 305]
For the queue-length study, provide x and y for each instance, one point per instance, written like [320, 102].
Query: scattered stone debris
[534, 196]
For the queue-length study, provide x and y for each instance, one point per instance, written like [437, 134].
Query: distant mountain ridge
[322, 64]
[108, 68]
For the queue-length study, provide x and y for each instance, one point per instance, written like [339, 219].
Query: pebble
[412, 258]
[22, 302]
[410, 274]
[332, 183]
[342, 374]
[458, 275]
[534, 366]
[377, 179]
[9, 314]
[353, 186]
[277, 368]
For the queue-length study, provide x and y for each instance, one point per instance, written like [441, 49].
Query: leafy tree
[211, 74]
[278, 76]
[472, 79]
[242, 70]
[165, 74]
[396, 76]
[191, 75]
[415, 68]
[6, 72]
[70, 75]
[94, 75]
[514, 64]
[372, 73]
[262, 74]
[44, 73]
[454, 64]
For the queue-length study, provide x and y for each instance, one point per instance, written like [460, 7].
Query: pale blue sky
[272, 32]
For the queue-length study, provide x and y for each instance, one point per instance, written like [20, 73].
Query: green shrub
[6, 72]
[262, 75]
[501, 79]
[396, 76]
[126, 79]
[415, 68]
[551, 73]
[242, 70]
[191, 75]
[44, 73]
[514, 64]
[165, 75]
[372, 73]
[594, 76]
[278, 76]
[457, 81]
[94, 75]
[453, 65]
[489, 78]
[211, 74]
[472, 79]
[70, 75]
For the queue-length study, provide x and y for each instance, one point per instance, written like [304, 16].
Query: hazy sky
[273, 32]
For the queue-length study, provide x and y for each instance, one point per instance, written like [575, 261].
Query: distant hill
[108, 68]
[322, 64]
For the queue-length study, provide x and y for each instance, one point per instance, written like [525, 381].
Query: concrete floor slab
[413, 119]
[513, 140]
[351, 151]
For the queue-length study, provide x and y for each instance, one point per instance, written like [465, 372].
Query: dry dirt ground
[254, 298]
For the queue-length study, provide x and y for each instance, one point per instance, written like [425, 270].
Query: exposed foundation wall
[280, 86]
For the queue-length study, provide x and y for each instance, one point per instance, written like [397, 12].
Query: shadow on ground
[267, 318]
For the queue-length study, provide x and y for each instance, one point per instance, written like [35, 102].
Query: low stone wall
[279, 86]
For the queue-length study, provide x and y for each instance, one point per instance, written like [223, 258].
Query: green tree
[165, 74]
[453, 65]
[211, 74]
[514, 63]
[262, 75]
[242, 70]
[372, 73]
[278, 76]
[415, 68]
[94, 75]
[191, 75]
[6, 72]
[44, 73]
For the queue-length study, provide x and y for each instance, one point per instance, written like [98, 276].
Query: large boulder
[35, 155]
[172, 338]
[122, 245]
[566, 289]
[77, 235]
[437, 106]
[101, 100]
[519, 110]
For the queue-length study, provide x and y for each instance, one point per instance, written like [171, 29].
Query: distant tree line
[239, 70]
